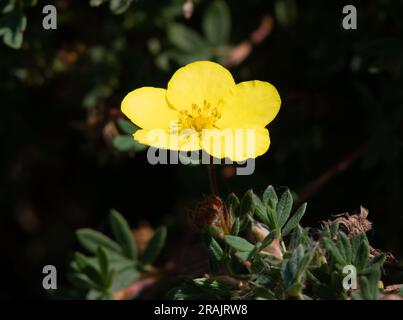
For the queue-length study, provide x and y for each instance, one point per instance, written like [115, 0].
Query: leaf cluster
[112, 264]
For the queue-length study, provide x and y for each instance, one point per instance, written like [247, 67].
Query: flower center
[199, 118]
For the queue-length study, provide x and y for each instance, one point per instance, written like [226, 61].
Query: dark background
[337, 141]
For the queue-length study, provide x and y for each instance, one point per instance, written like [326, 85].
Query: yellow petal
[188, 140]
[250, 104]
[147, 108]
[236, 144]
[198, 82]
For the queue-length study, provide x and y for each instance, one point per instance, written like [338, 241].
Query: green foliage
[114, 265]
[200, 289]
[215, 252]
[232, 204]
[279, 259]
[188, 45]
[217, 23]
[116, 6]
[284, 207]
[13, 22]
[288, 262]
[91, 239]
[355, 252]
[274, 212]
[239, 243]
[125, 142]
[294, 221]
[294, 268]
[155, 246]
[185, 39]
[123, 235]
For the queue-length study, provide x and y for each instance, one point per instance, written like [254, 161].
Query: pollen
[199, 118]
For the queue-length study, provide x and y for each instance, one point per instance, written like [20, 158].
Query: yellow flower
[203, 108]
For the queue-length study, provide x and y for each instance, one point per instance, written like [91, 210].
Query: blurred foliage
[116, 6]
[13, 21]
[68, 156]
[116, 265]
[125, 142]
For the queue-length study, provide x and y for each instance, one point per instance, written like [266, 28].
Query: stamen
[199, 118]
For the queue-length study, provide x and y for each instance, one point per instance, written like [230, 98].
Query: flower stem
[212, 178]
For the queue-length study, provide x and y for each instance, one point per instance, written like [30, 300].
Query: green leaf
[362, 255]
[96, 3]
[201, 289]
[289, 269]
[89, 270]
[268, 239]
[243, 255]
[272, 219]
[377, 261]
[255, 250]
[356, 243]
[80, 280]
[284, 207]
[12, 27]
[232, 204]
[91, 240]
[344, 246]
[356, 296]
[217, 23]
[246, 222]
[247, 203]
[103, 263]
[260, 210]
[124, 143]
[334, 251]
[155, 246]
[127, 126]
[119, 6]
[270, 194]
[298, 236]
[365, 288]
[235, 227]
[6, 7]
[107, 295]
[369, 285]
[238, 243]
[124, 278]
[333, 229]
[83, 261]
[304, 264]
[213, 230]
[214, 249]
[294, 220]
[117, 261]
[186, 39]
[368, 270]
[294, 289]
[123, 234]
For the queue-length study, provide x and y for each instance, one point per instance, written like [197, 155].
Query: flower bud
[208, 212]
